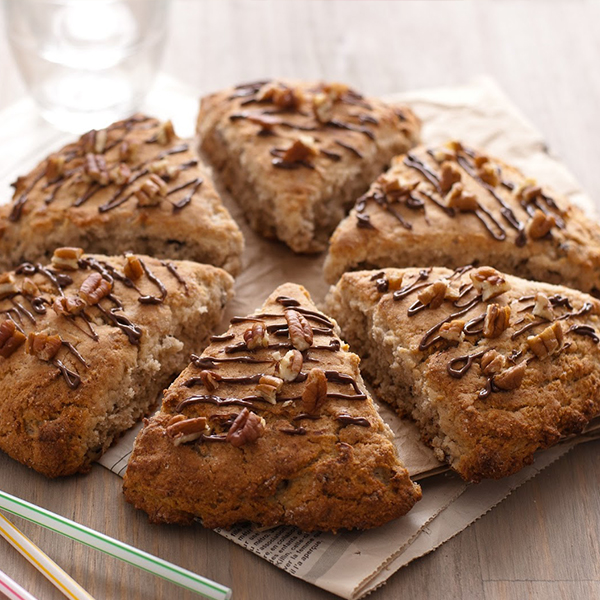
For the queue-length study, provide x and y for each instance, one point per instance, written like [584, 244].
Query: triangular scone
[88, 343]
[271, 425]
[134, 186]
[296, 155]
[451, 206]
[491, 367]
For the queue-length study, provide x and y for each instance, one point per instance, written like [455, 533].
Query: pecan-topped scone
[490, 366]
[296, 155]
[271, 425]
[87, 344]
[134, 186]
[452, 205]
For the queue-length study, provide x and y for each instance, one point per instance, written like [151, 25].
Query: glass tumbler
[87, 62]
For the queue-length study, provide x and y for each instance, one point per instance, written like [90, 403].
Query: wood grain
[542, 542]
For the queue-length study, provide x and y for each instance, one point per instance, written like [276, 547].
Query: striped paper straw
[44, 564]
[129, 554]
[12, 590]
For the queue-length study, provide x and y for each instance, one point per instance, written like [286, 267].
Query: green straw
[112, 547]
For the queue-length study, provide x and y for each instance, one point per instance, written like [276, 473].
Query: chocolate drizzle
[158, 283]
[585, 330]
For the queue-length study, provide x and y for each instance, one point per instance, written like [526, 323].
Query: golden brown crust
[421, 213]
[134, 186]
[484, 402]
[312, 452]
[294, 166]
[62, 404]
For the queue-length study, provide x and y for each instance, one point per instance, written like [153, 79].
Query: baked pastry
[490, 366]
[132, 187]
[451, 206]
[272, 425]
[296, 155]
[88, 343]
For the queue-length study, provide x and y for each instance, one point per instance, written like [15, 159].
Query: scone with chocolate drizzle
[134, 186]
[490, 366]
[296, 155]
[453, 205]
[87, 344]
[271, 425]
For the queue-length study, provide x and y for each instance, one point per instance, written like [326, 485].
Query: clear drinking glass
[87, 62]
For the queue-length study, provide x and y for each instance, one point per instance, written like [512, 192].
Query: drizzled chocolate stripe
[158, 283]
[208, 362]
[173, 270]
[17, 209]
[350, 127]
[188, 198]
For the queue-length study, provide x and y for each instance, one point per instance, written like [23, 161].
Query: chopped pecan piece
[512, 378]
[300, 331]
[256, 336]
[121, 174]
[488, 173]
[528, 190]
[489, 282]
[67, 259]
[290, 365]
[433, 295]
[452, 331]
[133, 267]
[497, 319]
[7, 285]
[449, 175]
[151, 191]
[492, 362]
[210, 379]
[442, 154]
[394, 186]
[543, 307]
[186, 430]
[246, 428]
[42, 345]
[95, 168]
[540, 224]
[100, 141]
[94, 288]
[280, 95]
[128, 150]
[548, 341]
[458, 198]
[11, 339]
[67, 306]
[166, 133]
[323, 107]
[164, 169]
[394, 281]
[29, 288]
[315, 392]
[268, 388]
[302, 149]
[55, 167]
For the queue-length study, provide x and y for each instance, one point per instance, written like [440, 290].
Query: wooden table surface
[543, 541]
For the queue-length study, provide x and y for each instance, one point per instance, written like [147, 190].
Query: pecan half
[67, 306]
[11, 339]
[184, 430]
[452, 331]
[302, 149]
[489, 282]
[290, 365]
[512, 378]
[133, 267]
[497, 319]
[210, 379]
[548, 341]
[246, 428]
[42, 345]
[315, 392]
[268, 387]
[256, 336]
[540, 224]
[94, 288]
[300, 331]
[492, 362]
[461, 200]
[449, 175]
[165, 133]
[95, 168]
[7, 285]
[55, 167]
[543, 307]
[433, 295]
[151, 191]
[66, 259]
